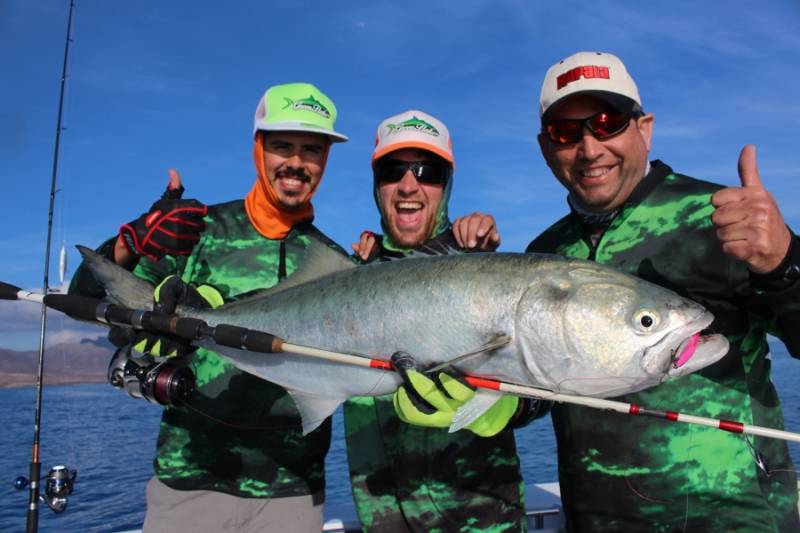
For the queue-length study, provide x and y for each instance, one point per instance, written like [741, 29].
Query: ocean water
[110, 439]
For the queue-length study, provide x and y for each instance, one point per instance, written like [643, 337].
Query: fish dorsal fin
[313, 409]
[470, 411]
[319, 260]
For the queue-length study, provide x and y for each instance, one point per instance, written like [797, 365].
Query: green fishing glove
[167, 296]
[421, 402]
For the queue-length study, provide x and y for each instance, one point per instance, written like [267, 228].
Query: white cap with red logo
[599, 74]
[413, 129]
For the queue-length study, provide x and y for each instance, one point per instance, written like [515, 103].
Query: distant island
[65, 363]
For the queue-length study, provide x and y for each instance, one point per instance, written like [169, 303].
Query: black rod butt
[8, 291]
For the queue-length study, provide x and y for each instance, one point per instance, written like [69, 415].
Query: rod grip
[243, 338]
[32, 523]
[74, 305]
[8, 291]
[183, 327]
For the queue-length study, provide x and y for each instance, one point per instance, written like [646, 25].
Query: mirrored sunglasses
[603, 125]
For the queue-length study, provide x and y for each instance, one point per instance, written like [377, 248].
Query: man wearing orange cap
[234, 458]
[421, 478]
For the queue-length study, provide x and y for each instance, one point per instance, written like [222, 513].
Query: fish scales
[434, 309]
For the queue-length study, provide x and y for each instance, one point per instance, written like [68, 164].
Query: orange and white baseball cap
[413, 129]
[598, 74]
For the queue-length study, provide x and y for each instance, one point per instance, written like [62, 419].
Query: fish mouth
[686, 349]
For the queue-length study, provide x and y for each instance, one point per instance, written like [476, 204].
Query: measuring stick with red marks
[633, 409]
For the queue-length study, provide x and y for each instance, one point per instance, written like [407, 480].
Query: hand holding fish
[477, 231]
[167, 296]
[420, 401]
[749, 223]
[367, 246]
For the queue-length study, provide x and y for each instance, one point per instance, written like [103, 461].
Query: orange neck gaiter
[262, 206]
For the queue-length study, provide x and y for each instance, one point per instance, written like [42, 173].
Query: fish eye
[645, 320]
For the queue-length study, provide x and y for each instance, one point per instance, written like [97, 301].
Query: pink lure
[688, 352]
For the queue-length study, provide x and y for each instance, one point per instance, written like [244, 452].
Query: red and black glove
[171, 227]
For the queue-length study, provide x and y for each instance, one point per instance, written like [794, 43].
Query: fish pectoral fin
[313, 409]
[473, 409]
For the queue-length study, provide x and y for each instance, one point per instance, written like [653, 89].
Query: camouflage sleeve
[777, 297]
[154, 272]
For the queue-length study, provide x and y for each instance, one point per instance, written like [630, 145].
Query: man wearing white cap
[420, 477]
[727, 248]
[421, 221]
[234, 458]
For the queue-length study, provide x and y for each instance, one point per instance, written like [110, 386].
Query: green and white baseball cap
[297, 107]
[413, 129]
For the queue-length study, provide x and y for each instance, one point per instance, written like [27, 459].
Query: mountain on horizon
[70, 362]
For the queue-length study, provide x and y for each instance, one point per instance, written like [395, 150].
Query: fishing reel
[58, 485]
[164, 382]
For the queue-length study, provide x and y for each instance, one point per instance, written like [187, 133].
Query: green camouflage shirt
[238, 434]
[623, 473]
[411, 478]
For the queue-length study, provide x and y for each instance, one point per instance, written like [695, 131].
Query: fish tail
[121, 286]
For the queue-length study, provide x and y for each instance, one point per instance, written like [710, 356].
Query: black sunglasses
[430, 172]
[603, 125]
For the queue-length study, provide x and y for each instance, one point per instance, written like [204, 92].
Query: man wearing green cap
[422, 478]
[234, 458]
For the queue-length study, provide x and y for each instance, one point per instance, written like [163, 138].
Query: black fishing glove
[171, 227]
[167, 296]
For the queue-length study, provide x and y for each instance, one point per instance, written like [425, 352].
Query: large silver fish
[575, 326]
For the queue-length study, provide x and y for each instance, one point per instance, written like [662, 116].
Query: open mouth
[409, 214]
[679, 346]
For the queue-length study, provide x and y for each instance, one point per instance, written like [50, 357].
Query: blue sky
[154, 85]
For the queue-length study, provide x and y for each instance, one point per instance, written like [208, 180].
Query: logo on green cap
[308, 104]
[414, 124]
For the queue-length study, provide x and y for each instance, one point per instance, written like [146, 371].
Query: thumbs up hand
[174, 187]
[748, 221]
[172, 226]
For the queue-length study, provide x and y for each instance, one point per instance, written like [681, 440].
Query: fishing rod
[35, 466]
[92, 309]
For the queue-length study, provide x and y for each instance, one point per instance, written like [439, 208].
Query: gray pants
[176, 511]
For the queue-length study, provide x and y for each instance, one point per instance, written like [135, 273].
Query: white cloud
[75, 335]
[20, 326]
